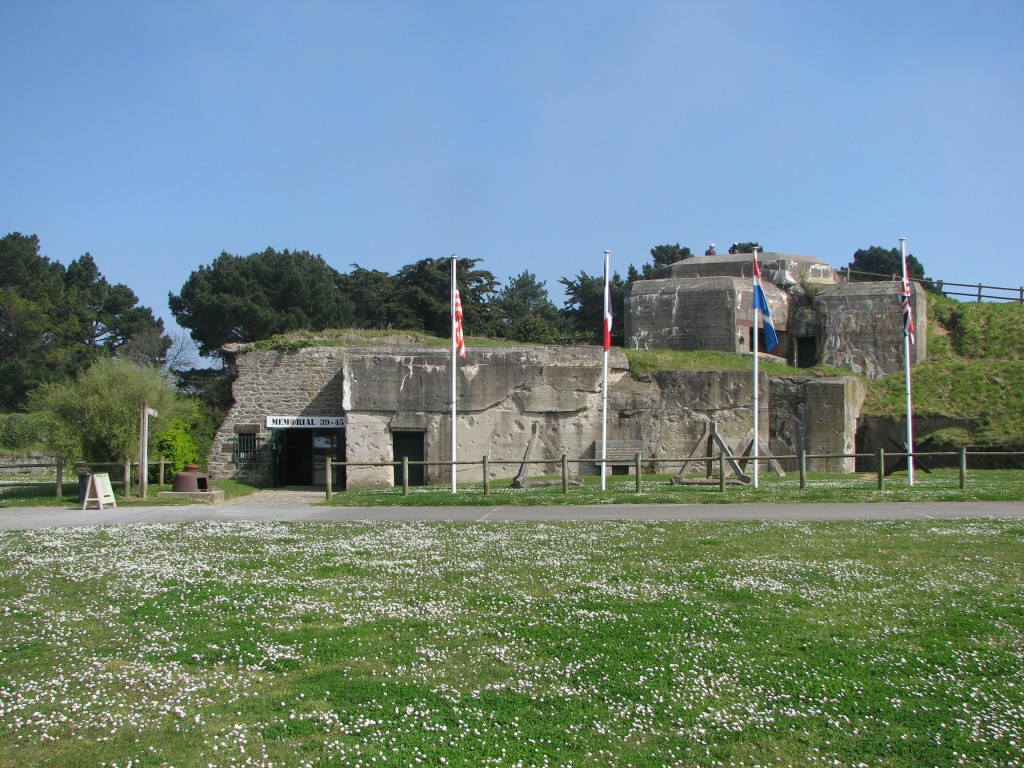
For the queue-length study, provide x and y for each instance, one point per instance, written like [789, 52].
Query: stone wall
[303, 383]
[502, 393]
[671, 411]
[890, 434]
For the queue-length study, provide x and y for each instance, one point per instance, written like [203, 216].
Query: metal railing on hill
[976, 292]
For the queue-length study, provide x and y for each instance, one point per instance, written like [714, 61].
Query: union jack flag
[908, 314]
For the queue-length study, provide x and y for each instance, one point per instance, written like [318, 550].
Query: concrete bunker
[376, 404]
[705, 303]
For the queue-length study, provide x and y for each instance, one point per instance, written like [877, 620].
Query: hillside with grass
[974, 370]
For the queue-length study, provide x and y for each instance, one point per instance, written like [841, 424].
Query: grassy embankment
[974, 370]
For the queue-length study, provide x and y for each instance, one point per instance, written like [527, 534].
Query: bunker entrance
[806, 351]
[301, 456]
[410, 445]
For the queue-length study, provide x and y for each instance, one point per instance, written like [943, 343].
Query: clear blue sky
[531, 135]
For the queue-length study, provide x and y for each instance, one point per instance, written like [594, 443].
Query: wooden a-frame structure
[736, 460]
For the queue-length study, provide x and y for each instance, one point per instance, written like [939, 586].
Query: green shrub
[203, 428]
[19, 432]
[177, 445]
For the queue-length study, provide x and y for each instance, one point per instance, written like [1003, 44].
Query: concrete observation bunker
[705, 302]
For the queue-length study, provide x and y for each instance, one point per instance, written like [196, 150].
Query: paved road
[273, 508]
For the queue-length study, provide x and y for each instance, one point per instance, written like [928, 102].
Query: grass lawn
[42, 495]
[940, 485]
[513, 644]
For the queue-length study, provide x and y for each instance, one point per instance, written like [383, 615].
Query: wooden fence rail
[77, 469]
[880, 456]
[564, 462]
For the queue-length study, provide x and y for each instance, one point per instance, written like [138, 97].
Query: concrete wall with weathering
[785, 269]
[861, 326]
[502, 392]
[697, 313]
[672, 410]
[818, 416]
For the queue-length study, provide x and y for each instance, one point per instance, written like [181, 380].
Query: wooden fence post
[487, 476]
[721, 472]
[963, 468]
[58, 491]
[881, 469]
[329, 485]
[802, 466]
[639, 482]
[405, 475]
[565, 475]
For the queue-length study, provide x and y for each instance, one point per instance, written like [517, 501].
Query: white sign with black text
[305, 422]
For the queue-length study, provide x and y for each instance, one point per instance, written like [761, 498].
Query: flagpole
[906, 369]
[604, 387]
[143, 451]
[757, 398]
[454, 368]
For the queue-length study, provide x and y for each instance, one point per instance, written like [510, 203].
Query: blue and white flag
[761, 303]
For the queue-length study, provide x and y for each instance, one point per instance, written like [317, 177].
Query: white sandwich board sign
[99, 491]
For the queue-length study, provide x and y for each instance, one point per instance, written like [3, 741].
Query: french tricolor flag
[607, 310]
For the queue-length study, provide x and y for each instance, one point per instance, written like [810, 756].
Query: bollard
[721, 473]
[405, 475]
[487, 476]
[565, 475]
[881, 468]
[639, 482]
[963, 468]
[803, 469]
[328, 485]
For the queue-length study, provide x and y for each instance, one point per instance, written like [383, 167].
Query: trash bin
[83, 485]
